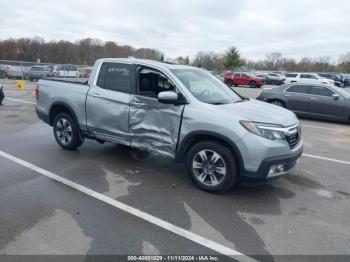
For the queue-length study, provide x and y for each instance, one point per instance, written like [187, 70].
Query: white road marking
[133, 211]
[319, 127]
[328, 159]
[20, 100]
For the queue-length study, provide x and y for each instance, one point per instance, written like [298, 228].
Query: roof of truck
[147, 62]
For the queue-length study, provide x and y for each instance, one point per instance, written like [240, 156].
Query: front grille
[293, 139]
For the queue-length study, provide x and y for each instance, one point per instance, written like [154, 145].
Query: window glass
[308, 76]
[152, 82]
[205, 87]
[304, 89]
[115, 76]
[37, 68]
[237, 74]
[291, 75]
[321, 91]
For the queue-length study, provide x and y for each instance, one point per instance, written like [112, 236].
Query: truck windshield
[205, 87]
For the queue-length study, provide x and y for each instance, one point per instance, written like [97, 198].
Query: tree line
[87, 50]
[272, 62]
[81, 52]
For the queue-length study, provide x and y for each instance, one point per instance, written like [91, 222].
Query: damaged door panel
[154, 126]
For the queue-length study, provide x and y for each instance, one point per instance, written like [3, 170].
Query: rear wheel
[229, 83]
[252, 84]
[66, 132]
[212, 166]
[277, 102]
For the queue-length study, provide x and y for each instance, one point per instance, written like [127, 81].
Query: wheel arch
[61, 107]
[194, 137]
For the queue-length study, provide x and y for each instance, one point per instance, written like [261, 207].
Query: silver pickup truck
[178, 111]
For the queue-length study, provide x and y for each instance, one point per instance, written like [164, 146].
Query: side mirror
[168, 97]
[336, 96]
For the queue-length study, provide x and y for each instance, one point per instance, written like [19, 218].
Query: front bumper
[263, 173]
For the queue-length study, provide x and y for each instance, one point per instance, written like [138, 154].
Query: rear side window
[237, 74]
[291, 75]
[303, 89]
[321, 91]
[115, 76]
[308, 76]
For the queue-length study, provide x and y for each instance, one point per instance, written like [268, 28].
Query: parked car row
[36, 72]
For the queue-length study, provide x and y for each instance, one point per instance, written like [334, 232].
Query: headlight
[268, 131]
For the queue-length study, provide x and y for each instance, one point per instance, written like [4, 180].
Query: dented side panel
[107, 115]
[154, 126]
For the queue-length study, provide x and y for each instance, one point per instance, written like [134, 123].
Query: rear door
[323, 104]
[153, 125]
[108, 101]
[297, 97]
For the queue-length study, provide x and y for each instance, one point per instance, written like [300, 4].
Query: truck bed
[56, 91]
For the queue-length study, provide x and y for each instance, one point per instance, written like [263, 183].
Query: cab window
[115, 77]
[152, 82]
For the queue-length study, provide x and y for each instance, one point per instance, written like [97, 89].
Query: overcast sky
[295, 28]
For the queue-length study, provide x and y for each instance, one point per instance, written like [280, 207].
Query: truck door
[108, 102]
[244, 79]
[153, 125]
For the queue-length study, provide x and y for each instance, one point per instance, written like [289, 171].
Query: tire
[278, 102]
[66, 133]
[204, 172]
[253, 84]
[229, 83]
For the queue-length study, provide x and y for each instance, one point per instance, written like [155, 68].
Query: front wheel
[66, 132]
[212, 166]
[278, 103]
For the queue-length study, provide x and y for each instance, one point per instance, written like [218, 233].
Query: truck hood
[262, 112]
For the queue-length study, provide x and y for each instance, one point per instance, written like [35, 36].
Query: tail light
[37, 92]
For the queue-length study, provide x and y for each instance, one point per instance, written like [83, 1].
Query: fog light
[275, 169]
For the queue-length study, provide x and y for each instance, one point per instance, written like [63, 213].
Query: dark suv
[338, 79]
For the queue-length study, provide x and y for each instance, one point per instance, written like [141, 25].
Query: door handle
[312, 98]
[95, 94]
[286, 95]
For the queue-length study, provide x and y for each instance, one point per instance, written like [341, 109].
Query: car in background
[338, 79]
[2, 94]
[5, 69]
[274, 79]
[36, 72]
[84, 72]
[310, 100]
[307, 78]
[2, 74]
[68, 71]
[49, 70]
[243, 78]
[15, 72]
[346, 79]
